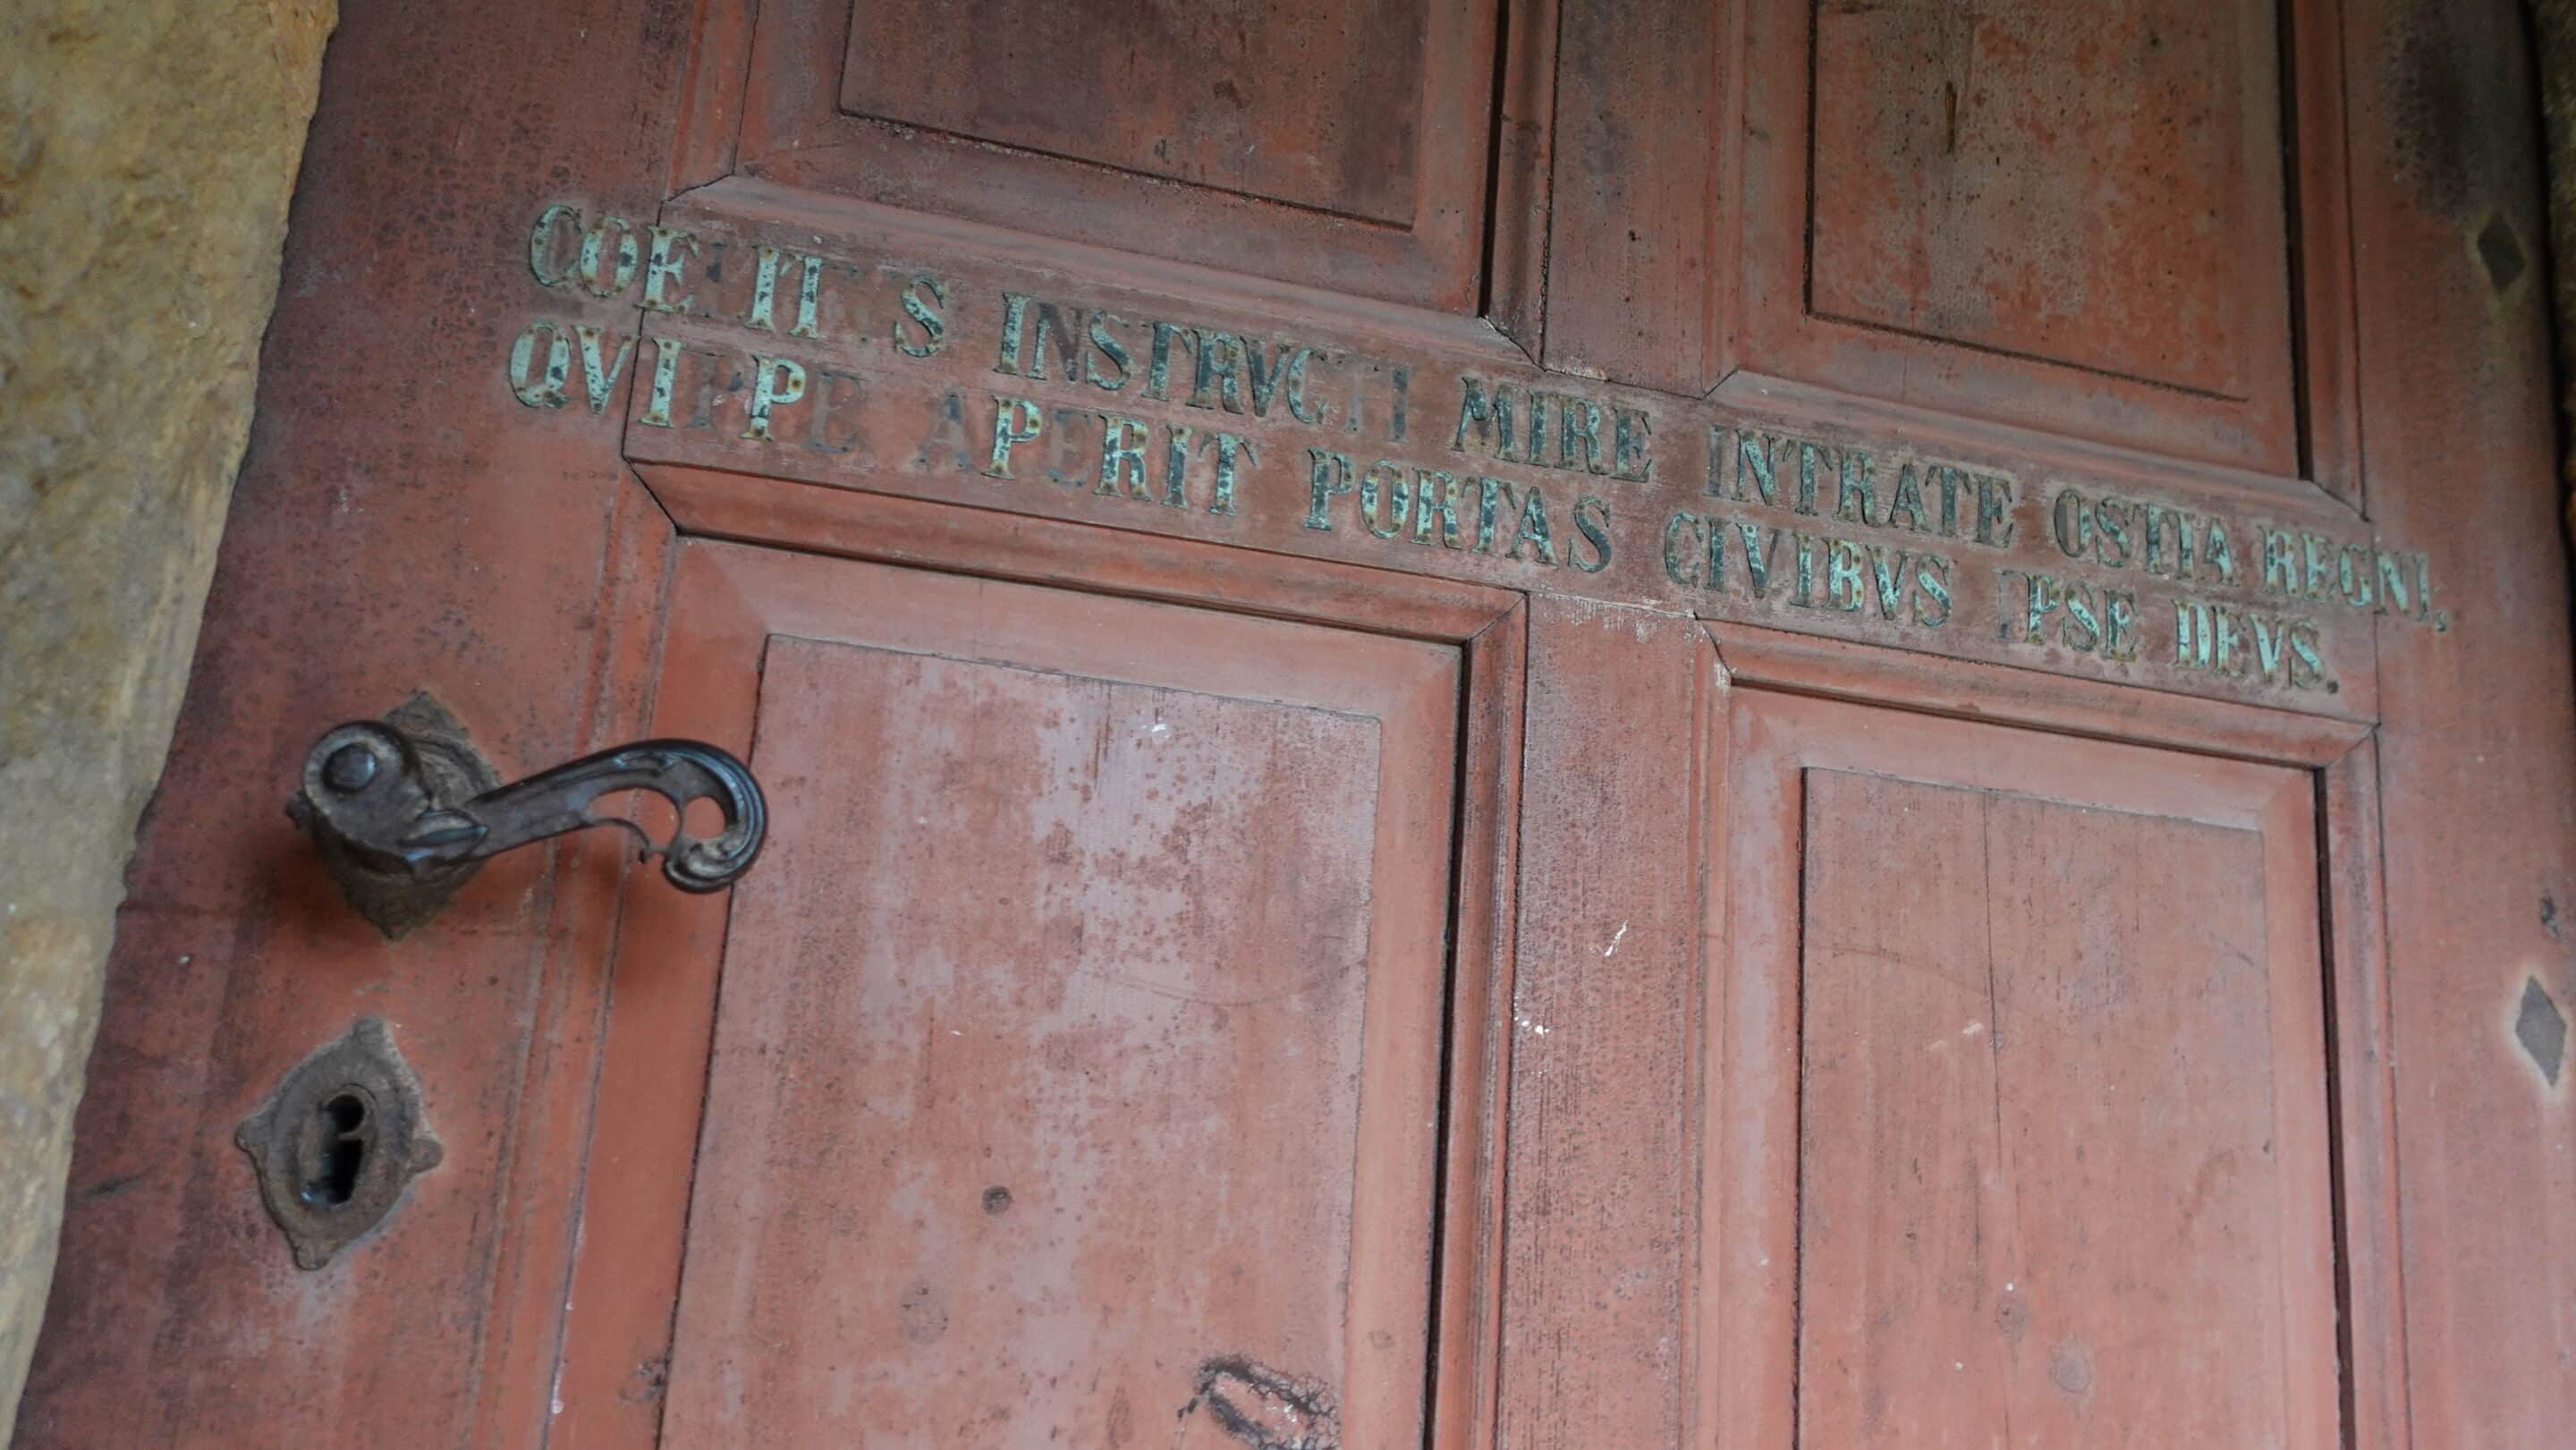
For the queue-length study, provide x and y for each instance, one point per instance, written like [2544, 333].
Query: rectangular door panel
[1311, 106]
[2117, 221]
[1072, 1062]
[2029, 1032]
[2096, 199]
[1342, 145]
[2047, 1112]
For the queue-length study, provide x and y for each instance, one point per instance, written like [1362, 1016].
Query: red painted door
[1554, 725]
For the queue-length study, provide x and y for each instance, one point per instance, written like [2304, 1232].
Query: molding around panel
[887, 529]
[1777, 660]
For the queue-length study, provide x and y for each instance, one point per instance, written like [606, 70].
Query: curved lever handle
[384, 804]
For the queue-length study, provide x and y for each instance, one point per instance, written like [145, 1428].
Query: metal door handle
[404, 817]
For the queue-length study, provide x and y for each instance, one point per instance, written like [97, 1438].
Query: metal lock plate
[338, 1142]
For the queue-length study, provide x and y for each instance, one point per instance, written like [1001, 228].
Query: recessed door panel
[2032, 1030]
[2090, 185]
[2116, 221]
[2036, 1046]
[1312, 106]
[1342, 145]
[1073, 1068]
[1019, 1007]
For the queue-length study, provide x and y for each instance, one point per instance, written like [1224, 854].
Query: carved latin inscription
[887, 374]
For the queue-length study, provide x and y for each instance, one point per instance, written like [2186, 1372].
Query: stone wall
[147, 150]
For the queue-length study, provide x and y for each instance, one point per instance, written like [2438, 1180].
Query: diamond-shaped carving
[2541, 1029]
[2502, 252]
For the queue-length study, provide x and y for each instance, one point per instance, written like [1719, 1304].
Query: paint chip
[1265, 1409]
[2541, 1029]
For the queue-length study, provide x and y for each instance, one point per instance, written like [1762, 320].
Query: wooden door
[1488, 725]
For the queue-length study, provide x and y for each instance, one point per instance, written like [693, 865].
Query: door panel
[1311, 107]
[1341, 145]
[1076, 1062]
[1978, 215]
[2075, 217]
[2023, 1090]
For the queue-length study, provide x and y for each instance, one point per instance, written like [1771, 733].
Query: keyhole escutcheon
[338, 1141]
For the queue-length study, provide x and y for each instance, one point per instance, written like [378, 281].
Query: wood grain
[1602, 1024]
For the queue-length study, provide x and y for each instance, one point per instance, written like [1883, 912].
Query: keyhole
[336, 1149]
